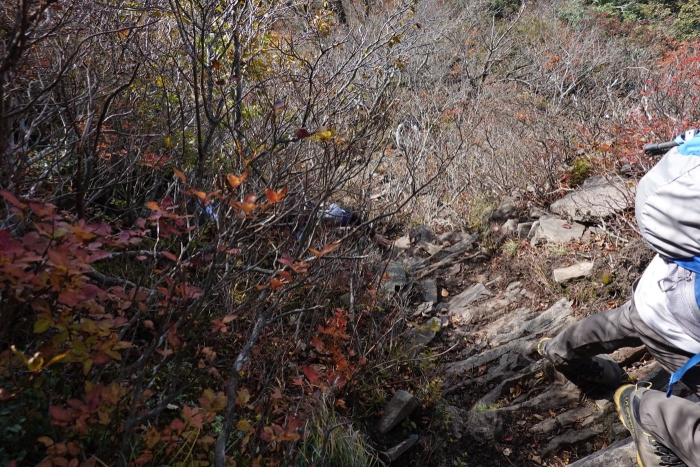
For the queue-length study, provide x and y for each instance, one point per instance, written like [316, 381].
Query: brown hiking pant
[674, 422]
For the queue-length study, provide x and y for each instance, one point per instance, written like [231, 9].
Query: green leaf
[42, 325]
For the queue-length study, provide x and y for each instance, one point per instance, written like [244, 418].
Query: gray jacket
[667, 206]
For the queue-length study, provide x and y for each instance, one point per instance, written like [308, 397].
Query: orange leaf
[180, 175]
[153, 206]
[276, 283]
[314, 252]
[275, 196]
[199, 194]
[232, 181]
[245, 207]
[328, 248]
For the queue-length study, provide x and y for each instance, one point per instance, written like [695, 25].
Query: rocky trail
[484, 317]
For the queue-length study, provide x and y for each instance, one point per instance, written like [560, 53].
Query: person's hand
[381, 240]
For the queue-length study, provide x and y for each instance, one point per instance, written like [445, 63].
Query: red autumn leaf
[12, 199]
[317, 343]
[285, 275]
[286, 260]
[276, 283]
[59, 414]
[169, 255]
[98, 255]
[101, 359]
[177, 425]
[303, 133]
[311, 374]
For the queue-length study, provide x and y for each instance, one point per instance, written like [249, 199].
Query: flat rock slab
[620, 454]
[577, 271]
[473, 294]
[573, 437]
[524, 322]
[557, 230]
[399, 407]
[393, 453]
[599, 197]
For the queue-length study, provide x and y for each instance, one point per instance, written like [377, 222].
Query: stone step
[619, 454]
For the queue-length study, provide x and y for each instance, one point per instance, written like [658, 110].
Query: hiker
[332, 215]
[663, 314]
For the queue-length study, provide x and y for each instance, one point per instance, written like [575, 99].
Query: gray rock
[523, 229]
[421, 233]
[399, 407]
[627, 355]
[423, 309]
[532, 234]
[452, 270]
[523, 322]
[473, 294]
[510, 226]
[620, 454]
[396, 277]
[428, 288]
[393, 453]
[400, 245]
[598, 197]
[465, 244]
[557, 230]
[422, 334]
[453, 237]
[574, 415]
[545, 426]
[508, 208]
[456, 417]
[577, 271]
[485, 424]
[429, 248]
[536, 213]
[573, 437]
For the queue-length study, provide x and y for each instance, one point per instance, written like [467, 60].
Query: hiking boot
[600, 369]
[650, 453]
[541, 344]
